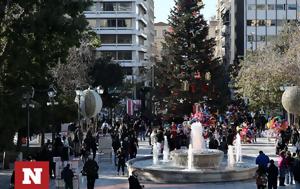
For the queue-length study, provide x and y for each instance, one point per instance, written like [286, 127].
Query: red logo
[31, 175]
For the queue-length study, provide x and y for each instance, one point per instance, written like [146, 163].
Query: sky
[162, 9]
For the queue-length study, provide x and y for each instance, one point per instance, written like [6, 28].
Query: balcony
[142, 4]
[109, 14]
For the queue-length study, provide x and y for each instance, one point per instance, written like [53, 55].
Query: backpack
[261, 180]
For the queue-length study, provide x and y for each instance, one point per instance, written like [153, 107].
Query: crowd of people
[219, 131]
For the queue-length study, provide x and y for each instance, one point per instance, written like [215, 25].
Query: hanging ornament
[185, 86]
[197, 75]
[207, 76]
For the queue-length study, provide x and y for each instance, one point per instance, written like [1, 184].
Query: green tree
[264, 72]
[188, 61]
[109, 75]
[43, 34]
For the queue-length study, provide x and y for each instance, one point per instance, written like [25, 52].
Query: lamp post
[52, 94]
[27, 103]
[79, 93]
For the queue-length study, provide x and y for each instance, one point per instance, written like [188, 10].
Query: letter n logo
[31, 175]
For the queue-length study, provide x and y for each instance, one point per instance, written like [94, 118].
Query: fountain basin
[168, 173]
[202, 159]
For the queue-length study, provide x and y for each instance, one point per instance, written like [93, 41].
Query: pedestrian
[282, 166]
[272, 175]
[262, 160]
[134, 182]
[296, 171]
[90, 170]
[261, 178]
[121, 160]
[67, 174]
[290, 163]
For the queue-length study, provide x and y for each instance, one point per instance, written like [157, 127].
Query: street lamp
[79, 94]
[52, 94]
[27, 103]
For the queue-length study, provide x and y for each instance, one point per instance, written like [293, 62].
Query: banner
[133, 106]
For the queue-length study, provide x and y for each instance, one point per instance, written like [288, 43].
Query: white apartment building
[264, 20]
[160, 30]
[126, 29]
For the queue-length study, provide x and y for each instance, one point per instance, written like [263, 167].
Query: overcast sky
[162, 9]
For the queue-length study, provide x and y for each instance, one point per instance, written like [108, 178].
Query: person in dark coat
[296, 171]
[262, 160]
[272, 175]
[121, 159]
[90, 170]
[134, 182]
[67, 174]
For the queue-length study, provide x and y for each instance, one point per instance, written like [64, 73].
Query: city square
[101, 94]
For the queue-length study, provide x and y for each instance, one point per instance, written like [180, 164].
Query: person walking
[67, 174]
[296, 171]
[272, 175]
[290, 163]
[262, 160]
[90, 170]
[121, 160]
[282, 165]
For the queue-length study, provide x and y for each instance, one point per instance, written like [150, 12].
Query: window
[92, 23]
[111, 54]
[108, 39]
[261, 38]
[292, 7]
[125, 6]
[124, 23]
[271, 7]
[124, 55]
[280, 7]
[141, 41]
[281, 22]
[108, 6]
[141, 56]
[124, 39]
[261, 22]
[261, 7]
[251, 38]
[107, 22]
[251, 22]
[251, 7]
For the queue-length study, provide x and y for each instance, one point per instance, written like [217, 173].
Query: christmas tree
[189, 73]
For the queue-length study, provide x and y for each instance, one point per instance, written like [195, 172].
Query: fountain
[190, 158]
[155, 154]
[238, 148]
[193, 165]
[166, 151]
[230, 158]
[202, 157]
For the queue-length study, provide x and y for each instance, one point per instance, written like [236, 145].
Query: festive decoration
[188, 56]
[90, 103]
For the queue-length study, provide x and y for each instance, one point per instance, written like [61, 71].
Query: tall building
[264, 20]
[160, 29]
[126, 29]
[246, 25]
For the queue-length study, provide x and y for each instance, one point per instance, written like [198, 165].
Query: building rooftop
[160, 24]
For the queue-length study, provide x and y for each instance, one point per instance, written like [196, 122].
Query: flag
[129, 107]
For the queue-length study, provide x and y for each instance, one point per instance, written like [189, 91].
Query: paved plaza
[109, 179]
